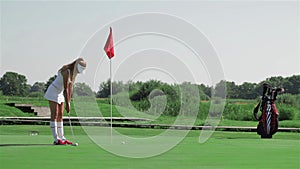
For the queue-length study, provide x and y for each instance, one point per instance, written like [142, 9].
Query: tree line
[14, 84]
[245, 90]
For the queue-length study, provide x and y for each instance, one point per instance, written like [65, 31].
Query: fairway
[223, 150]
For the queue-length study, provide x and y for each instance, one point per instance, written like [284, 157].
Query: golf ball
[123, 142]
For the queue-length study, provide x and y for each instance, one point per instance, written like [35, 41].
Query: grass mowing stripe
[223, 150]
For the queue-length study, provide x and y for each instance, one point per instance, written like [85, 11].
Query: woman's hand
[68, 107]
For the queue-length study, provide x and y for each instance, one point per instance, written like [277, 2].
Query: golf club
[71, 126]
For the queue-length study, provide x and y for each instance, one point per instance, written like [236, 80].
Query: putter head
[74, 144]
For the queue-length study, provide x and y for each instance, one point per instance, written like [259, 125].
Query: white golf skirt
[55, 95]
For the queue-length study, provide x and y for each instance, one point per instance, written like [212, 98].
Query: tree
[290, 84]
[104, 89]
[294, 88]
[145, 90]
[276, 81]
[38, 87]
[51, 79]
[82, 89]
[247, 91]
[205, 89]
[220, 89]
[231, 89]
[189, 99]
[14, 84]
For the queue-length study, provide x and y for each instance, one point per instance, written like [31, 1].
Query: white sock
[60, 130]
[53, 127]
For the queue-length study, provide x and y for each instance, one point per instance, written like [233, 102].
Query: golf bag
[268, 120]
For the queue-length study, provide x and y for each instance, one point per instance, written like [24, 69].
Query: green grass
[6, 110]
[225, 122]
[9, 111]
[222, 150]
[36, 101]
[290, 123]
[104, 107]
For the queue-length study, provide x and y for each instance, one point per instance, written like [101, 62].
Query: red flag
[109, 46]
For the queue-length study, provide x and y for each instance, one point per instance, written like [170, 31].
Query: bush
[242, 112]
[297, 97]
[158, 105]
[286, 99]
[203, 110]
[122, 99]
[142, 105]
[218, 100]
[203, 96]
[287, 112]
[36, 94]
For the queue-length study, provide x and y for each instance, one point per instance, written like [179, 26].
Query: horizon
[161, 80]
[249, 40]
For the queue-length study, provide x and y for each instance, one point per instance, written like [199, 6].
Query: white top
[55, 90]
[58, 82]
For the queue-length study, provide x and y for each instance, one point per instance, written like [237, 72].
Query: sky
[172, 41]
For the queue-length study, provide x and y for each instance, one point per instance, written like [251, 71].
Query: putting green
[20, 149]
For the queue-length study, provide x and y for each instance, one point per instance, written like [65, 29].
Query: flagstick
[110, 72]
[109, 50]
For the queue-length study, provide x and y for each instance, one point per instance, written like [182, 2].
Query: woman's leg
[60, 124]
[53, 123]
[60, 112]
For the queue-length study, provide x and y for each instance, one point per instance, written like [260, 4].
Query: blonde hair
[72, 67]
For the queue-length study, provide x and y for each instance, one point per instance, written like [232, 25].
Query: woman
[60, 91]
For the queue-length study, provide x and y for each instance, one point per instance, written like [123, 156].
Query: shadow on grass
[12, 145]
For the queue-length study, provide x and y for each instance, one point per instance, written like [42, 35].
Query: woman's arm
[67, 89]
